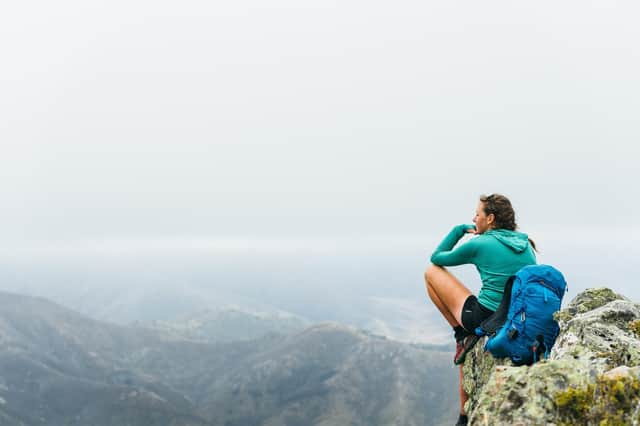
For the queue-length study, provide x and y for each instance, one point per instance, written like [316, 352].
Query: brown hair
[505, 217]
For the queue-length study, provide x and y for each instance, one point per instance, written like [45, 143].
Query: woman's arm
[445, 255]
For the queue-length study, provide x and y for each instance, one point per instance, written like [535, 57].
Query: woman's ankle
[460, 333]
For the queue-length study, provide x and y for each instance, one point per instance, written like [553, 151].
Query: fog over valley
[375, 283]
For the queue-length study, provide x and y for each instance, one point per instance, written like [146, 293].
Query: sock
[460, 333]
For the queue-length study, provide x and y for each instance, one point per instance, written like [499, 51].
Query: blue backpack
[523, 327]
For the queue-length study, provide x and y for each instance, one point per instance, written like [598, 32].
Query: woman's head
[494, 212]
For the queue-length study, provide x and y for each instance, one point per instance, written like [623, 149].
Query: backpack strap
[539, 349]
[494, 322]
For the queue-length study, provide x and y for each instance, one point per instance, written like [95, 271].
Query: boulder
[591, 376]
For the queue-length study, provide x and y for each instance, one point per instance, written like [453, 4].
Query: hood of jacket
[516, 241]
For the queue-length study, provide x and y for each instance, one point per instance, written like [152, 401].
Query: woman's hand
[472, 230]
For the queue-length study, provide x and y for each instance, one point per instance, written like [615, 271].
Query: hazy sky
[225, 124]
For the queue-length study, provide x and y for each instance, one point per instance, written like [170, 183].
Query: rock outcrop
[592, 375]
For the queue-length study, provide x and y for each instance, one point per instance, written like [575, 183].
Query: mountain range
[59, 367]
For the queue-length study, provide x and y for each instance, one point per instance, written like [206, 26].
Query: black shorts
[473, 313]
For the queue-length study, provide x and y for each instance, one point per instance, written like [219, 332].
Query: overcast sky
[230, 123]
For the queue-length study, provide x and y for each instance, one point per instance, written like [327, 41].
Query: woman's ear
[491, 219]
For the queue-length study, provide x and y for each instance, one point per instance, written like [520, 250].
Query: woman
[498, 252]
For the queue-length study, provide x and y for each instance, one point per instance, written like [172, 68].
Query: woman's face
[481, 220]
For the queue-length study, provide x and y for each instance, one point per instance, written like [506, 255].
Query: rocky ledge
[592, 376]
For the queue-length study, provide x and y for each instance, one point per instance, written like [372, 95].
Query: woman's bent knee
[431, 271]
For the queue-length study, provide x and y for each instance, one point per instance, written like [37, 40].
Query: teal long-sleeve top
[497, 254]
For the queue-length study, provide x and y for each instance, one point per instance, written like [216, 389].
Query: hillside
[60, 367]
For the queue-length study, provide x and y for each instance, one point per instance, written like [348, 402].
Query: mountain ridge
[76, 370]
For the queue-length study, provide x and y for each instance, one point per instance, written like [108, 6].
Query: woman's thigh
[449, 289]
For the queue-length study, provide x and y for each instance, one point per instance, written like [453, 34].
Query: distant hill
[59, 367]
[147, 289]
[228, 325]
[199, 314]
[333, 375]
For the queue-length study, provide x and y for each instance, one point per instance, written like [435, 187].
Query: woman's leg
[447, 293]
[441, 306]
[463, 394]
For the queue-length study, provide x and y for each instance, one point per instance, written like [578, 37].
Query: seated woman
[498, 252]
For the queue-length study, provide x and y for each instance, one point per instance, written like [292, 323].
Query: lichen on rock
[634, 326]
[612, 400]
[591, 376]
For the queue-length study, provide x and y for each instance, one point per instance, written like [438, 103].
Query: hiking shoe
[459, 349]
[463, 347]
[459, 333]
[462, 420]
